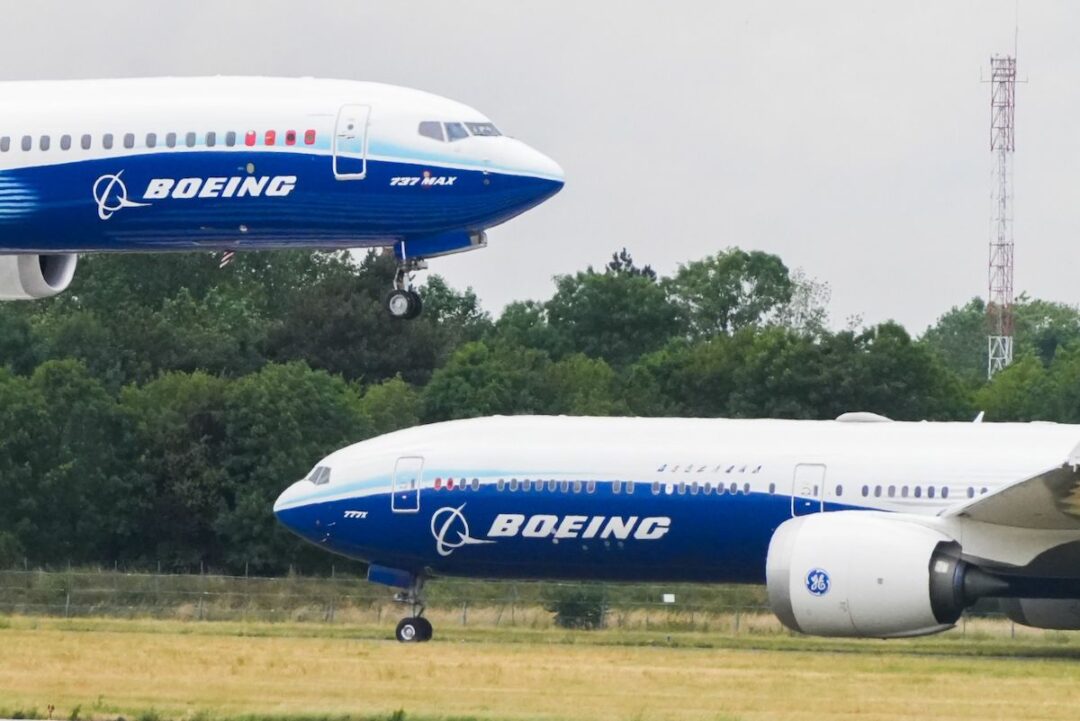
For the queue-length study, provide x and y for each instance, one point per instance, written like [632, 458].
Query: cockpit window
[319, 475]
[456, 131]
[485, 129]
[432, 129]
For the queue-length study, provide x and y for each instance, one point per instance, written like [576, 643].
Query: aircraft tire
[400, 304]
[415, 305]
[409, 630]
[424, 627]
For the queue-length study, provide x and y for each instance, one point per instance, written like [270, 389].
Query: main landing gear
[414, 628]
[403, 302]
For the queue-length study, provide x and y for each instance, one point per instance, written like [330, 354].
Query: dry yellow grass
[115, 667]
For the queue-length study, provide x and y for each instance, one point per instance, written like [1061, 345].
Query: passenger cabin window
[432, 129]
[230, 138]
[270, 139]
[483, 129]
[211, 139]
[151, 140]
[629, 488]
[65, 142]
[170, 140]
[189, 140]
[5, 144]
[456, 131]
[87, 141]
[107, 141]
[44, 142]
[129, 140]
[309, 137]
[290, 137]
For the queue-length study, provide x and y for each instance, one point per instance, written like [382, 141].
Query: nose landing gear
[403, 302]
[414, 628]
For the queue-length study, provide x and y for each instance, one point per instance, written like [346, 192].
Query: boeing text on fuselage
[111, 194]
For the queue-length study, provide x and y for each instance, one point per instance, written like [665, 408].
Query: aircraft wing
[1048, 501]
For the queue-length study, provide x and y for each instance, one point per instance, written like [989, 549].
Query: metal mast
[1002, 144]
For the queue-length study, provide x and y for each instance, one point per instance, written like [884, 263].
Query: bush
[580, 607]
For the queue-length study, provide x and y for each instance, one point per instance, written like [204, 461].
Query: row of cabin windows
[695, 468]
[910, 491]
[617, 487]
[169, 140]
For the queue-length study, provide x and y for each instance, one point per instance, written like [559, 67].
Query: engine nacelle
[1062, 614]
[26, 277]
[863, 574]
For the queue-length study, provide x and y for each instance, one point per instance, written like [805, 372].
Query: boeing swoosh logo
[112, 195]
[448, 522]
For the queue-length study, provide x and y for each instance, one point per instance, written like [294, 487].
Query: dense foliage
[151, 413]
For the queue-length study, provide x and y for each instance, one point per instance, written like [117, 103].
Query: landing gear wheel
[416, 305]
[409, 630]
[403, 304]
[424, 626]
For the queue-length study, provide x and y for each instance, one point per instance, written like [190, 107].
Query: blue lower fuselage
[715, 538]
[60, 207]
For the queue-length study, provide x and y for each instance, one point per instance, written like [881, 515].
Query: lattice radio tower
[1002, 144]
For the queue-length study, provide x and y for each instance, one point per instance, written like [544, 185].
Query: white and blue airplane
[859, 527]
[235, 163]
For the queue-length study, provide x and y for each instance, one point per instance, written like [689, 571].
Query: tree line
[153, 412]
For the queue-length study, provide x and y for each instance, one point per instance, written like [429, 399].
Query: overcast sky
[850, 138]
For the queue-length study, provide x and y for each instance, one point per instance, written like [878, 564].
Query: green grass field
[151, 670]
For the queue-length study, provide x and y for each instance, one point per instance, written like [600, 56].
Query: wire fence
[351, 600]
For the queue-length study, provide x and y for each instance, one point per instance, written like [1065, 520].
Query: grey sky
[850, 138]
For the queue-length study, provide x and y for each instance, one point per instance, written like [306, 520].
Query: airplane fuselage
[637, 499]
[253, 163]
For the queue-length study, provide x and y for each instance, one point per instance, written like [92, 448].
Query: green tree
[584, 386]
[82, 484]
[180, 466]
[391, 405]
[481, 380]
[731, 290]
[1024, 391]
[277, 423]
[614, 316]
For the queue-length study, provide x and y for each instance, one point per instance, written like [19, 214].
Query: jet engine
[26, 277]
[864, 574]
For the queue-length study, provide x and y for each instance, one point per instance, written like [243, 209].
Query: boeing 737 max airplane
[858, 527]
[167, 164]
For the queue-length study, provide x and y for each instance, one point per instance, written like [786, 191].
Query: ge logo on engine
[817, 582]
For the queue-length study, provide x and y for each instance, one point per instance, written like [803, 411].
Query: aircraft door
[808, 489]
[408, 474]
[350, 142]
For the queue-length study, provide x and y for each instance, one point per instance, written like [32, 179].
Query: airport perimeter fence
[731, 610]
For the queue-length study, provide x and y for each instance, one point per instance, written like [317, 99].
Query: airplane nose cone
[286, 507]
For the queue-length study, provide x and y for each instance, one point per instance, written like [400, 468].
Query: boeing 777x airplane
[168, 164]
[859, 526]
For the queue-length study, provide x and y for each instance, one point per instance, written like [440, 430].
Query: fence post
[465, 612]
[737, 609]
